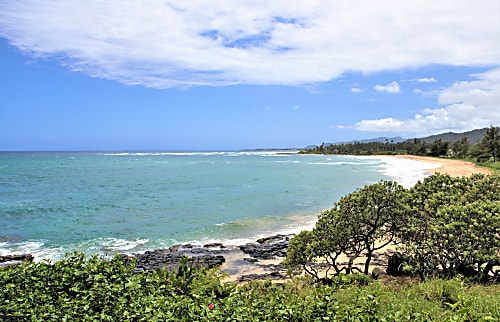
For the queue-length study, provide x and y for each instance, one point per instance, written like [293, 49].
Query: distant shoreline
[452, 167]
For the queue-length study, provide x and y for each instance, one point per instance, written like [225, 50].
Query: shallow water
[98, 202]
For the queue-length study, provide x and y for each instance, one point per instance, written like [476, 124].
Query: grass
[434, 300]
[495, 166]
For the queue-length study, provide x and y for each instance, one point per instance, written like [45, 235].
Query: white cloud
[296, 107]
[466, 105]
[355, 90]
[391, 88]
[427, 80]
[163, 44]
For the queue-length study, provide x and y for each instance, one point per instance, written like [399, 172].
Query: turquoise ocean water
[98, 202]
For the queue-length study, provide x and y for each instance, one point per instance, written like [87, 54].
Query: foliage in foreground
[90, 289]
[445, 226]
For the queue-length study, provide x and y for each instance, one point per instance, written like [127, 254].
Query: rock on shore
[208, 256]
[213, 255]
[268, 247]
[12, 260]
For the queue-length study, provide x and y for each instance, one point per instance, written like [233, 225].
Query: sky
[230, 75]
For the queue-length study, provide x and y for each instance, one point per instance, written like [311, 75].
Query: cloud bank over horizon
[164, 44]
[467, 105]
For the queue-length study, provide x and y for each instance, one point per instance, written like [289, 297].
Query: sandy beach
[452, 167]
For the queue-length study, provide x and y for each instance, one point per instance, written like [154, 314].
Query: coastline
[453, 167]
[419, 166]
[404, 169]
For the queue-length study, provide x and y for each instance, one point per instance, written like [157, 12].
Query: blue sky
[171, 75]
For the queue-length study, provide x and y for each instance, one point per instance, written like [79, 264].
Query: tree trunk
[368, 260]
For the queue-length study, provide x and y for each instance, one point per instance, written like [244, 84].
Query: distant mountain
[473, 137]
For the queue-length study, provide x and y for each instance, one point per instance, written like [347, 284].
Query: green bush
[452, 227]
[444, 226]
[361, 223]
[91, 289]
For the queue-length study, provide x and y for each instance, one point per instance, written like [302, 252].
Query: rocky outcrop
[169, 259]
[269, 247]
[212, 255]
[12, 260]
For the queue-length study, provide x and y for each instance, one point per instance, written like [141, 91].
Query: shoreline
[404, 169]
[426, 167]
[453, 167]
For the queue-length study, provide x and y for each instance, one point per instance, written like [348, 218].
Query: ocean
[52, 203]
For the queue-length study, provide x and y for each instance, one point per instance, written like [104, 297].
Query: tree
[453, 226]
[461, 148]
[363, 221]
[468, 238]
[301, 252]
[439, 148]
[491, 142]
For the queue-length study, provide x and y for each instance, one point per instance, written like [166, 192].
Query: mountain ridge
[473, 137]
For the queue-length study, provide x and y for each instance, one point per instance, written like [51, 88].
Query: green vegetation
[452, 226]
[486, 151]
[491, 165]
[90, 289]
[490, 143]
[444, 226]
[360, 223]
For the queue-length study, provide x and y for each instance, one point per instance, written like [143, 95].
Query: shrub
[362, 222]
[452, 227]
[90, 289]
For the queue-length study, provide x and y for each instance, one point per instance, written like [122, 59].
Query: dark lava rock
[211, 255]
[269, 247]
[213, 245]
[275, 239]
[169, 259]
[395, 265]
[12, 260]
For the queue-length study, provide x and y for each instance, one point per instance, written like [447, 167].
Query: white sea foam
[36, 248]
[405, 171]
[337, 163]
[212, 153]
[121, 245]
[117, 154]
[287, 161]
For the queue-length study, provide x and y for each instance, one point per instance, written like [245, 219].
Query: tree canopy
[444, 226]
[491, 142]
